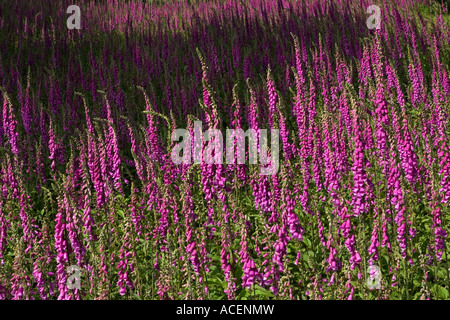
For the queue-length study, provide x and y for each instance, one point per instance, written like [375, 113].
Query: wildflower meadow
[118, 179]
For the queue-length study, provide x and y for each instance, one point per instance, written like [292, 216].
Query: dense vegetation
[87, 180]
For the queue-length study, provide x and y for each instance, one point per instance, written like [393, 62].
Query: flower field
[92, 205]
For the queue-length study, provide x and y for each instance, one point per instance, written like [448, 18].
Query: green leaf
[441, 292]
[311, 254]
[243, 294]
[307, 241]
[395, 296]
[442, 273]
[263, 292]
[417, 296]
[305, 256]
